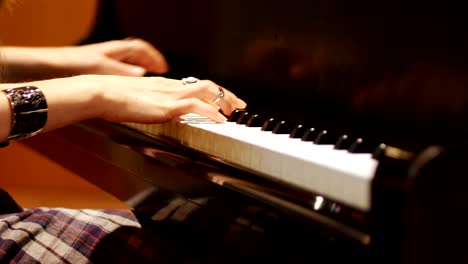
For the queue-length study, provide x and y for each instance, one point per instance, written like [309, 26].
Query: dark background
[398, 66]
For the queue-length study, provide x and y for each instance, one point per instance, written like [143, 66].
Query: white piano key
[338, 174]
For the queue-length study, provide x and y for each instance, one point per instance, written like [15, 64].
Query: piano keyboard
[322, 169]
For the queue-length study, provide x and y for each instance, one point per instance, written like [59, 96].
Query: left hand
[129, 57]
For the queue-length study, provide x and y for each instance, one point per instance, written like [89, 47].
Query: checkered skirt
[60, 235]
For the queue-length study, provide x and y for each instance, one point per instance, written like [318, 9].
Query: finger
[230, 102]
[134, 51]
[205, 90]
[113, 67]
[208, 91]
[138, 52]
[196, 106]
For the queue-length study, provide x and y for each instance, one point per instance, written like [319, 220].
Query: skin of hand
[128, 57]
[124, 99]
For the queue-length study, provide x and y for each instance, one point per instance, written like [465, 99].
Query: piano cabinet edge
[417, 213]
[102, 153]
[421, 218]
[79, 156]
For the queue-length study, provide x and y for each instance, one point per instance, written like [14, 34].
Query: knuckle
[140, 44]
[192, 102]
[209, 83]
[206, 86]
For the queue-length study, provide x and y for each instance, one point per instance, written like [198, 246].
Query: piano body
[352, 146]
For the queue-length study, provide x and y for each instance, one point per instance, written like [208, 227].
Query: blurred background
[32, 179]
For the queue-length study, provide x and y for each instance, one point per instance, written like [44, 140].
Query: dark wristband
[29, 111]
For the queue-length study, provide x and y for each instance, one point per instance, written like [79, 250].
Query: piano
[352, 146]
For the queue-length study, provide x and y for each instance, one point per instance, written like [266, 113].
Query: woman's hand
[129, 57]
[158, 99]
[129, 99]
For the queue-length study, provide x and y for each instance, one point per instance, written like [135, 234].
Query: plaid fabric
[166, 228]
[59, 235]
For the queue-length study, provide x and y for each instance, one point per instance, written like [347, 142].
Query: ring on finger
[220, 96]
[189, 80]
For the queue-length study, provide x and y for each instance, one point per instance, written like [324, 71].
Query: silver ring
[189, 80]
[220, 96]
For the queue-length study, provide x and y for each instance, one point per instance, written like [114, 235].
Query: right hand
[158, 99]
[132, 99]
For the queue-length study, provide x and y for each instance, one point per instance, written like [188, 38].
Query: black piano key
[256, 120]
[236, 114]
[321, 137]
[343, 142]
[270, 124]
[283, 127]
[362, 146]
[244, 117]
[310, 134]
[355, 145]
[378, 152]
[298, 131]
[326, 137]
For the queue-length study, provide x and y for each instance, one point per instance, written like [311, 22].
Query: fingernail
[139, 71]
[242, 104]
[222, 118]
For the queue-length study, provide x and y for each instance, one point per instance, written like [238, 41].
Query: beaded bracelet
[29, 112]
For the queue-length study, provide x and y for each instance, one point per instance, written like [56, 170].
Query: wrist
[28, 111]
[70, 100]
[5, 117]
[94, 101]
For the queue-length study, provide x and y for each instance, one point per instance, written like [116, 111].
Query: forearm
[30, 63]
[119, 57]
[69, 100]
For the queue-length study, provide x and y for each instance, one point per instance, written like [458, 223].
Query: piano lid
[398, 66]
